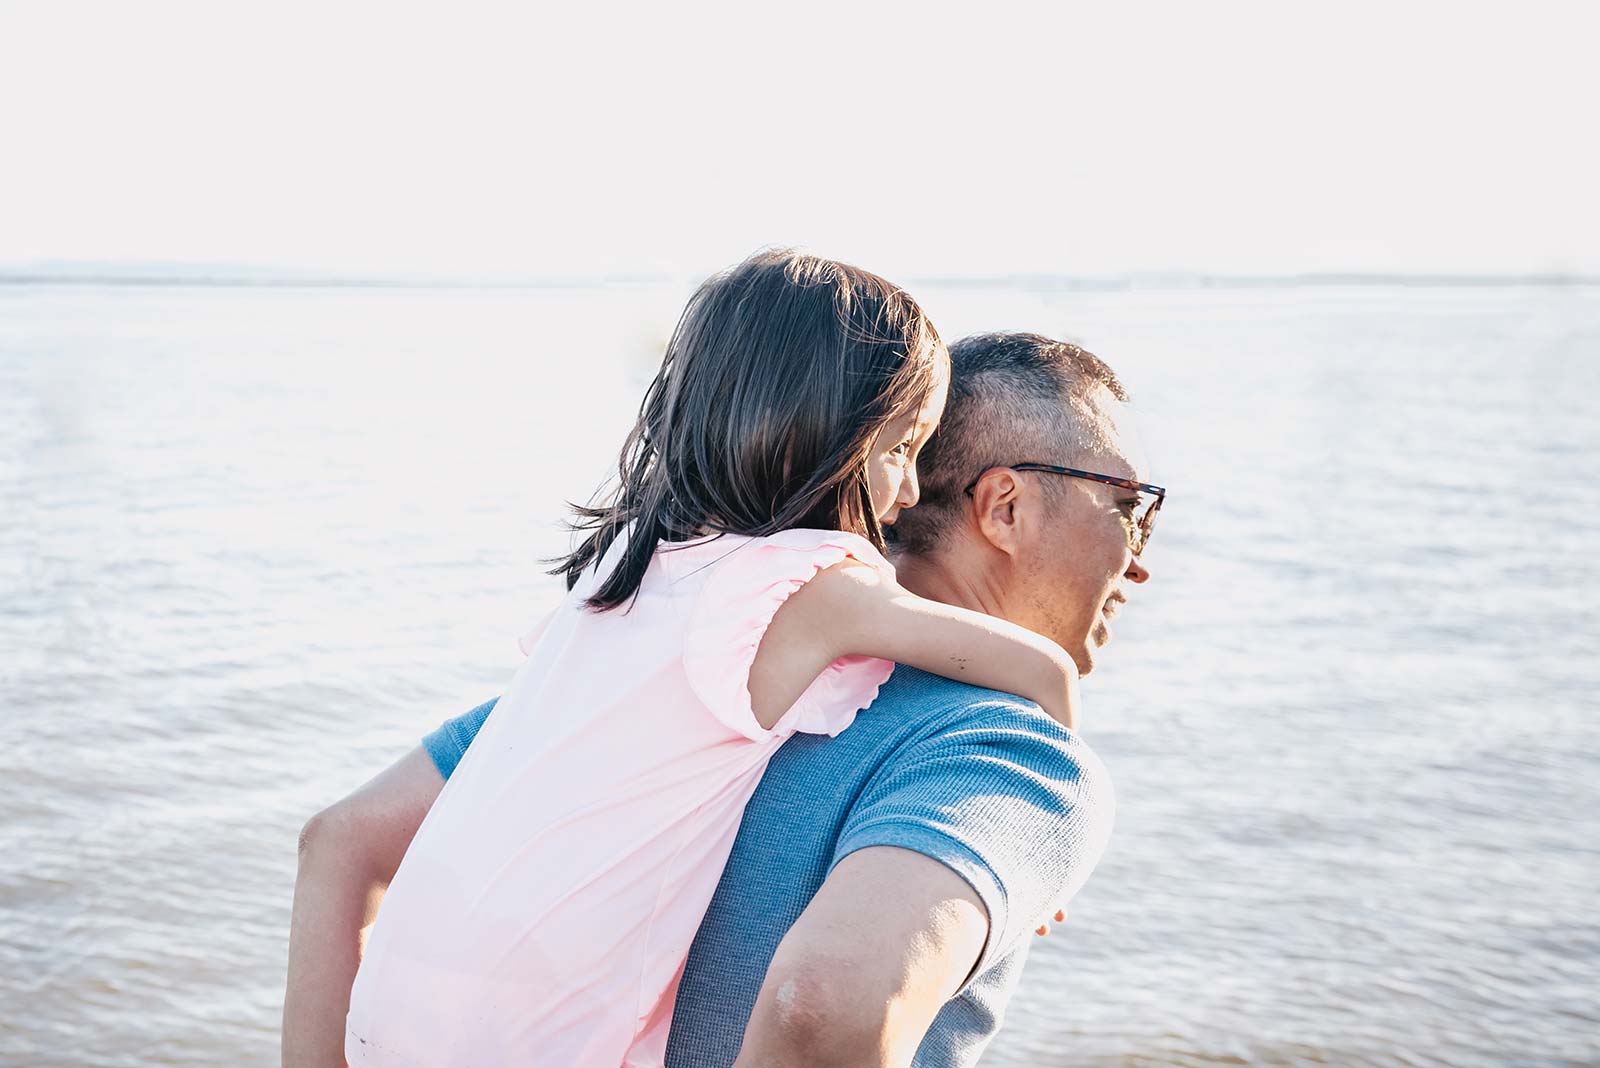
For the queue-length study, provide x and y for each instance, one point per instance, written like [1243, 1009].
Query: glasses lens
[1145, 521]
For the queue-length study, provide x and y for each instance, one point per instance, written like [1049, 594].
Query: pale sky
[913, 139]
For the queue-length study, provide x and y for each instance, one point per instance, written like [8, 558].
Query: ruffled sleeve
[732, 612]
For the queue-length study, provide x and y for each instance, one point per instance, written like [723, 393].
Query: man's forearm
[335, 897]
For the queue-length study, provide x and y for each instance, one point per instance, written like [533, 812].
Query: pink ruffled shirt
[544, 911]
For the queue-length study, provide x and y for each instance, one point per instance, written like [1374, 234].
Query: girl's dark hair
[774, 384]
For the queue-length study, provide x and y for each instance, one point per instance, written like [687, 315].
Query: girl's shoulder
[794, 550]
[742, 582]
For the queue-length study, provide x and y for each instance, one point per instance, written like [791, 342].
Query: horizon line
[175, 274]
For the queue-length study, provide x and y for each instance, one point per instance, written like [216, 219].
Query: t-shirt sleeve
[448, 744]
[730, 616]
[1014, 803]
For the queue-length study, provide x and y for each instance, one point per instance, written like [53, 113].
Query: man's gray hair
[1014, 398]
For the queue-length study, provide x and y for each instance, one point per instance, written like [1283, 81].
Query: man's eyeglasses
[1139, 522]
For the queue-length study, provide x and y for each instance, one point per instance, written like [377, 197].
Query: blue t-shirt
[981, 781]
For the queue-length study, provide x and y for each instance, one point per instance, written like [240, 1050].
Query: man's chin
[1083, 656]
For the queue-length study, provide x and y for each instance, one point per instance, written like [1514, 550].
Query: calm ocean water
[256, 542]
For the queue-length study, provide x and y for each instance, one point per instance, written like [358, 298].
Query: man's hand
[348, 853]
[890, 937]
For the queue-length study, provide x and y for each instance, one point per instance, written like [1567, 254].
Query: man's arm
[890, 937]
[348, 853]
[954, 852]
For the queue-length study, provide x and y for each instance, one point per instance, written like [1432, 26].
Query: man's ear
[994, 501]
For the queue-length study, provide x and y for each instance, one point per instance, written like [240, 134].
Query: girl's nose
[910, 492]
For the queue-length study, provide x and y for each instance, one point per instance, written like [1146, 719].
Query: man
[879, 897]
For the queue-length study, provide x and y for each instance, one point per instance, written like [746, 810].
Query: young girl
[732, 591]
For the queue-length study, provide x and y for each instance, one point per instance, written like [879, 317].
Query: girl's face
[892, 464]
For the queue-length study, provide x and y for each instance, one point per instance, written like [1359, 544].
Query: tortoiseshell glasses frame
[1140, 523]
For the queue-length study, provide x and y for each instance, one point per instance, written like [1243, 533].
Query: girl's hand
[1044, 928]
[1064, 707]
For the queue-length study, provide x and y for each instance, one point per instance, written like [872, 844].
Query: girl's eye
[904, 446]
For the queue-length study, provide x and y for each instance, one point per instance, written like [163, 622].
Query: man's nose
[1137, 572]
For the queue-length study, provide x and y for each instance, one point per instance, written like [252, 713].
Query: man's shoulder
[959, 714]
[933, 740]
[918, 712]
[935, 694]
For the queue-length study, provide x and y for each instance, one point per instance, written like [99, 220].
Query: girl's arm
[348, 853]
[851, 609]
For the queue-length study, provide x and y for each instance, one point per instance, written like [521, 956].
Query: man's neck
[932, 576]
